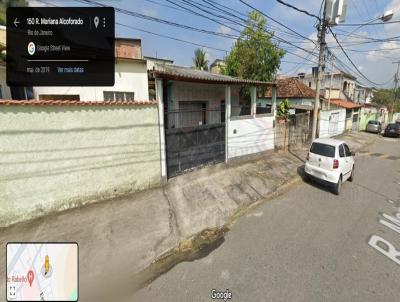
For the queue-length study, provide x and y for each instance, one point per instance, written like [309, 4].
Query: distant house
[298, 94]
[216, 66]
[352, 113]
[363, 94]
[151, 62]
[343, 84]
[130, 79]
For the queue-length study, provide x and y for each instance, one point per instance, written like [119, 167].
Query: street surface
[306, 245]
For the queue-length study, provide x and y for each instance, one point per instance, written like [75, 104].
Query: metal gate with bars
[194, 138]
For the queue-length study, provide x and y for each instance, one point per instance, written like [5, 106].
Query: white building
[343, 84]
[130, 79]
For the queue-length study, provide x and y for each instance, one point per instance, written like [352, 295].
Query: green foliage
[254, 56]
[283, 108]
[386, 97]
[6, 3]
[199, 59]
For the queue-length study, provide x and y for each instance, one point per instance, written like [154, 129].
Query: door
[354, 126]
[333, 123]
[348, 162]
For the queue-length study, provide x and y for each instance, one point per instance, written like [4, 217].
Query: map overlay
[42, 272]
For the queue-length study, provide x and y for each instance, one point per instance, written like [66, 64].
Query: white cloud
[224, 30]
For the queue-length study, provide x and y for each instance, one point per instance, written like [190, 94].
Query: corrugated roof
[345, 104]
[291, 88]
[73, 103]
[174, 72]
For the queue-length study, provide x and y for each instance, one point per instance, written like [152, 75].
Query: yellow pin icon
[46, 264]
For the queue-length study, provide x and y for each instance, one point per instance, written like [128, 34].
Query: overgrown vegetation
[254, 56]
[386, 97]
[283, 108]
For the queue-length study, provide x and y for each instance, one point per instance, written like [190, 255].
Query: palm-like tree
[199, 59]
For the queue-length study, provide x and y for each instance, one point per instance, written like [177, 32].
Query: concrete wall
[250, 135]
[366, 115]
[327, 126]
[293, 101]
[130, 76]
[58, 157]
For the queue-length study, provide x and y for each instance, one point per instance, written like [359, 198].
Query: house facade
[130, 79]
[337, 85]
[205, 119]
[216, 66]
[292, 89]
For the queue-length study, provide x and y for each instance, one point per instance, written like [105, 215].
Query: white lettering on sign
[390, 251]
[393, 223]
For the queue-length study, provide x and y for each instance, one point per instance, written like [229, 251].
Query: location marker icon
[96, 21]
[31, 276]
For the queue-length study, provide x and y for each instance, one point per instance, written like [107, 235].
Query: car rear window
[392, 126]
[323, 149]
[373, 122]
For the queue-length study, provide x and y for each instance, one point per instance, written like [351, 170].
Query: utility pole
[321, 40]
[330, 84]
[396, 83]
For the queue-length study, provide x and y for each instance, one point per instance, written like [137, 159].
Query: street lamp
[387, 16]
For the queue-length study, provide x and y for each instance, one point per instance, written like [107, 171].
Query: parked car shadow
[302, 174]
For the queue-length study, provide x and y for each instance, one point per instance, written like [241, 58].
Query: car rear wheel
[351, 178]
[338, 187]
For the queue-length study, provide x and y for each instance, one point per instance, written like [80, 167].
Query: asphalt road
[306, 245]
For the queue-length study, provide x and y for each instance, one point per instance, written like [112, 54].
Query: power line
[281, 24]
[171, 38]
[351, 62]
[298, 9]
[367, 24]
[159, 20]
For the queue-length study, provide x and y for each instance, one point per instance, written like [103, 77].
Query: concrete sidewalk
[121, 237]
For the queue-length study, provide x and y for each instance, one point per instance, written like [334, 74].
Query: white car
[330, 161]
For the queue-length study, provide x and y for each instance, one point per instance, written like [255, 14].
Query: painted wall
[294, 101]
[130, 76]
[58, 157]
[366, 115]
[250, 135]
[328, 126]
[212, 94]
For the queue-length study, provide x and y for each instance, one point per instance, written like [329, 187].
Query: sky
[373, 59]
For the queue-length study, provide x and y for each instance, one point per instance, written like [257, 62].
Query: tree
[254, 56]
[386, 97]
[199, 59]
[283, 108]
[6, 3]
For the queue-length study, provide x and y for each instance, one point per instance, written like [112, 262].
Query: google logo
[31, 48]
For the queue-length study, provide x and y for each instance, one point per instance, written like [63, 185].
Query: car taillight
[335, 164]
